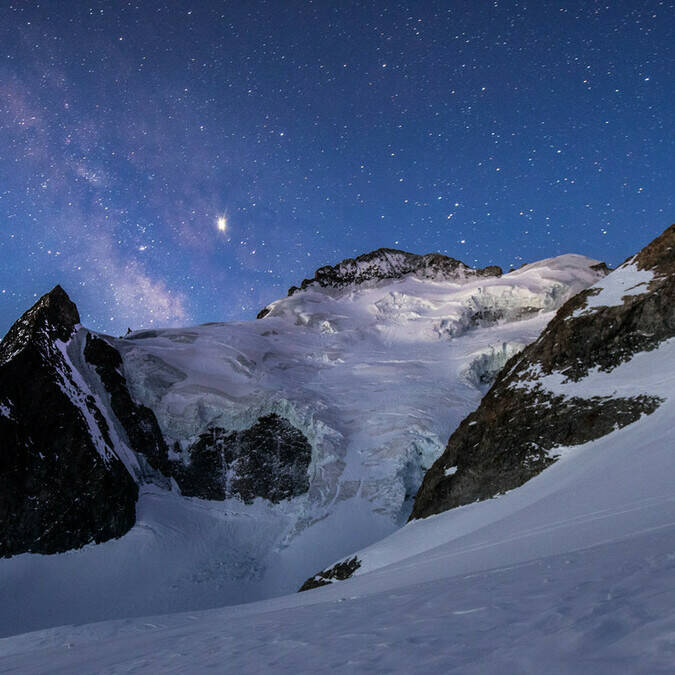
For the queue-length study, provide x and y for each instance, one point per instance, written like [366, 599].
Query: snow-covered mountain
[604, 362]
[263, 450]
[571, 571]
[363, 371]
[389, 263]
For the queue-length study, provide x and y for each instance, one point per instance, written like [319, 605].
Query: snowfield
[570, 573]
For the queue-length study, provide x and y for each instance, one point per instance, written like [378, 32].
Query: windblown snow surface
[570, 573]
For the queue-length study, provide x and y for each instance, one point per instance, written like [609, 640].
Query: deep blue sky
[496, 132]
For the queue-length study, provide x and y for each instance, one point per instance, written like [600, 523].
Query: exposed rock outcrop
[338, 572]
[61, 484]
[139, 422]
[268, 460]
[389, 263]
[513, 434]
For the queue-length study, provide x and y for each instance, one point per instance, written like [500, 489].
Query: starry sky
[180, 162]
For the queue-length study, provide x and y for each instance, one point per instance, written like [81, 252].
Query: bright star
[221, 223]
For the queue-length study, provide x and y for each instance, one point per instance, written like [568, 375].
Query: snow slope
[376, 376]
[572, 572]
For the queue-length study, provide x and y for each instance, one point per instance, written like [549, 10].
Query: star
[326, 152]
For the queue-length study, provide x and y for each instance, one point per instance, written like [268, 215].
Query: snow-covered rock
[389, 263]
[570, 573]
[566, 388]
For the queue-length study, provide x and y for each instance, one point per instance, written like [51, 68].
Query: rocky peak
[389, 263]
[53, 317]
[61, 483]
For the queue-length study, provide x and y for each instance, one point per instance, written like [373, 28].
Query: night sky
[182, 162]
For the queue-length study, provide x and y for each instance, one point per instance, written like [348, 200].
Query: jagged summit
[390, 263]
[54, 316]
[57, 308]
[61, 483]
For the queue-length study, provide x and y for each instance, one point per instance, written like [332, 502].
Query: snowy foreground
[571, 573]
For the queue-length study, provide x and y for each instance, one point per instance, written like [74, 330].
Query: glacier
[376, 375]
[572, 572]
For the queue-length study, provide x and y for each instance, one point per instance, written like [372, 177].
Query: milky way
[175, 163]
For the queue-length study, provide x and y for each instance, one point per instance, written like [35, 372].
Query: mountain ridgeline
[297, 411]
[389, 263]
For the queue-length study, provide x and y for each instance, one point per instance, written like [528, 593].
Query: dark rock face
[510, 438]
[339, 572]
[609, 336]
[138, 421]
[52, 317]
[389, 263]
[268, 460]
[61, 485]
[513, 434]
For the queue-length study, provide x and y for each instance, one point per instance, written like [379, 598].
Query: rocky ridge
[338, 572]
[389, 263]
[61, 483]
[513, 434]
